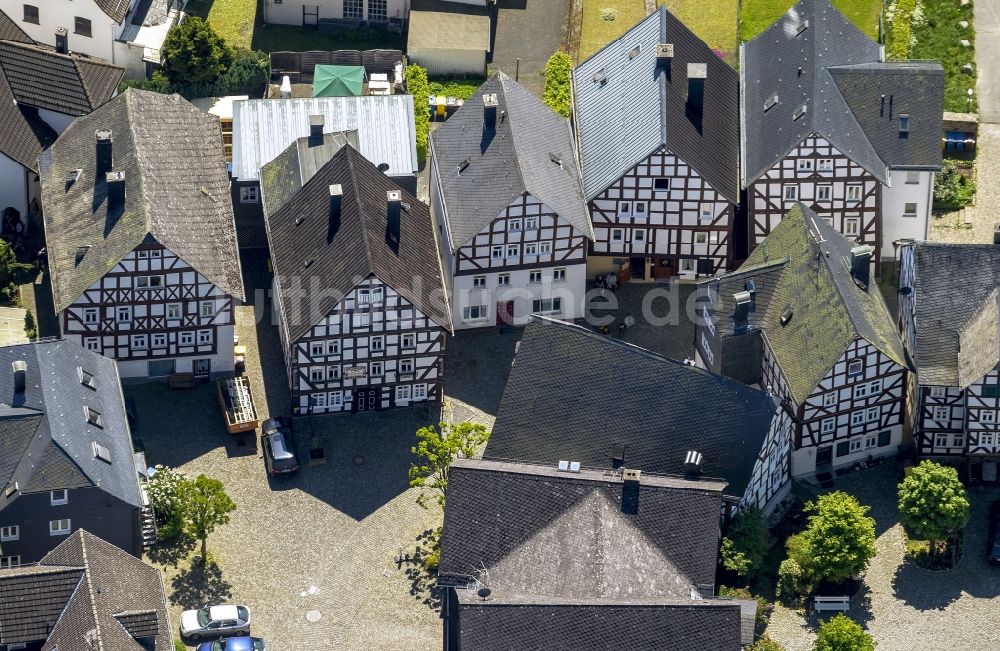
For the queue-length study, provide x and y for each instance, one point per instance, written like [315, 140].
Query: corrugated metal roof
[263, 128]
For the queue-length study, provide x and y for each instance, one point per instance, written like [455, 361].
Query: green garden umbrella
[338, 81]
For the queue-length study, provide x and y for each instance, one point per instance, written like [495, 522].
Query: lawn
[757, 15]
[606, 20]
[459, 87]
[938, 39]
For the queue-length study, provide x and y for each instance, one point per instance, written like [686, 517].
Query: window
[12, 532]
[825, 164]
[858, 418]
[174, 310]
[124, 314]
[854, 192]
[687, 264]
[701, 238]
[354, 9]
[855, 367]
[409, 341]
[139, 342]
[159, 340]
[559, 273]
[497, 252]
[248, 194]
[514, 225]
[336, 399]
[155, 253]
[909, 210]
[904, 125]
[829, 399]
[419, 391]
[513, 250]
[375, 369]
[204, 336]
[706, 212]
[991, 390]
[318, 400]
[940, 440]
[852, 226]
[31, 14]
[206, 309]
[871, 441]
[640, 208]
[987, 416]
[93, 417]
[843, 448]
[11, 561]
[535, 277]
[986, 439]
[317, 374]
[149, 282]
[661, 184]
[144, 254]
[547, 305]
[316, 348]
[93, 343]
[937, 392]
[872, 414]
[958, 440]
[639, 236]
[187, 338]
[531, 223]
[912, 176]
[531, 248]
[942, 413]
[824, 192]
[332, 372]
[90, 315]
[81, 26]
[333, 347]
[544, 248]
[403, 392]
[805, 165]
[855, 445]
[59, 497]
[59, 527]
[474, 313]
[617, 234]
[479, 281]
[828, 426]
[860, 391]
[874, 387]
[405, 366]
[377, 10]
[791, 192]
[377, 344]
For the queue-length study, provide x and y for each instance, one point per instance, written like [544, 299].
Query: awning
[338, 81]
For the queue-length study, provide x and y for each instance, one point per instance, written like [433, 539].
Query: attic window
[93, 417]
[555, 159]
[101, 452]
[803, 26]
[10, 490]
[904, 124]
[80, 252]
[600, 77]
[299, 220]
[308, 262]
[770, 102]
[73, 176]
[86, 378]
[786, 316]
[463, 165]
[799, 112]
[633, 53]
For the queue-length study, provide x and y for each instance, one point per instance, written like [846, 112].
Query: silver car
[214, 621]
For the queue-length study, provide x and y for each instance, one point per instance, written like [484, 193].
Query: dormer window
[93, 417]
[904, 125]
[101, 452]
[799, 112]
[86, 378]
[770, 102]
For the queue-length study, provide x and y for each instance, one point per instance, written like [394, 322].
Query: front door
[310, 15]
[625, 271]
[638, 268]
[201, 367]
[824, 456]
[505, 312]
[663, 268]
[366, 399]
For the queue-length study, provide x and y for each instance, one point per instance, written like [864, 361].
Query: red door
[625, 272]
[505, 312]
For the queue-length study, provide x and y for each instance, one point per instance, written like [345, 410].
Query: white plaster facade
[309, 12]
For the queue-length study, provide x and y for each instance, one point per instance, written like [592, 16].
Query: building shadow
[924, 589]
[200, 584]
[477, 364]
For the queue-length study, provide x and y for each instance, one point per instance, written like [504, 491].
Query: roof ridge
[516, 159]
[130, 94]
[90, 589]
[361, 208]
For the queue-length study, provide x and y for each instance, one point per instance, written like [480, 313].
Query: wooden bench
[181, 381]
[840, 604]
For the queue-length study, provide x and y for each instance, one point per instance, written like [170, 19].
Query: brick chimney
[116, 192]
[490, 104]
[104, 157]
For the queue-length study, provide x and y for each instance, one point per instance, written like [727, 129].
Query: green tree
[765, 644]
[840, 633]
[952, 189]
[419, 87]
[248, 74]
[932, 502]
[557, 83]
[206, 506]
[840, 537]
[745, 544]
[791, 583]
[436, 449]
[12, 272]
[194, 54]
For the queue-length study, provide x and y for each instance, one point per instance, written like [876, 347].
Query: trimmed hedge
[557, 83]
[419, 87]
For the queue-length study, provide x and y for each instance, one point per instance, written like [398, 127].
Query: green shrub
[790, 581]
[178, 645]
[458, 87]
[193, 54]
[12, 271]
[840, 633]
[419, 87]
[30, 327]
[952, 189]
[557, 73]
[157, 83]
[247, 75]
[745, 594]
[901, 17]
[765, 644]
[745, 544]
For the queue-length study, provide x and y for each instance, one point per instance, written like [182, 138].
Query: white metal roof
[263, 128]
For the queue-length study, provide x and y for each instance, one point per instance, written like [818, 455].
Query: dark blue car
[242, 643]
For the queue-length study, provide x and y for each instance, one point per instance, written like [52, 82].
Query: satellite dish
[383, 167]
[484, 592]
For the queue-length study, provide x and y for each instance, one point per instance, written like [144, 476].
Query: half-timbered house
[505, 193]
[656, 117]
[140, 236]
[362, 309]
[803, 319]
[604, 403]
[949, 318]
[826, 122]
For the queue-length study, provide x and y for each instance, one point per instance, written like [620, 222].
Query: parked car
[279, 447]
[242, 643]
[215, 621]
[993, 542]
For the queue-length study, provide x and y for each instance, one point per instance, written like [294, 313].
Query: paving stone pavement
[905, 607]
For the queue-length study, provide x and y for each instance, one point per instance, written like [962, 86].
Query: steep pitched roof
[829, 310]
[627, 106]
[564, 399]
[954, 289]
[176, 192]
[85, 592]
[288, 172]
[530, 150]
[814, 57]
[47, 442]
[304, 246]
[11, 31]
[116, 10]
[68, 84]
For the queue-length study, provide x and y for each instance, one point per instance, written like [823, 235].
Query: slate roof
[515, 158]
[954, 291]
[577, 395]
[46, 442]
[116, 10]
[177, 193]
[11, 31]
[357, 249]
[68, 84]
[835, 71]
[804, 264]
[288, 172]
[85, 593]
[641, 108]
[263, 128]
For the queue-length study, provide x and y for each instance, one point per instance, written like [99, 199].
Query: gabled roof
[176, 193]
[288, 172]
[955, 290]
[627, 107]
[530, 150]
[304, 246]
[46, 442]
[85, 593]
[116, 10]
[64, 83]
[804, 265]
[815, 57]
[263, 128]
[577, 395]
[11, 31]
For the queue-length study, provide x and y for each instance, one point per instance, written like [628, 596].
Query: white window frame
[938, 392]
[624, 208]
[123, 311]
[639, 209]
[828, 426]
[910, 209]
[825, 165]
[187, 338]
[857, 363]
[530, 248]
[317, 374]
[824, 192]
[639, 236]
[9, 533]
[860, 391]
[804, 165]
[316, 349]
[479, 281]
[317, 400]
[139, 342]
[249, 194]
[700, 237]
[854, 192]
[496, 252]
[146, 282]
[617, 234]
[941, 412]
[706, 212]
[406, 366]
[559, 274]
[376, 369]
[547, 305]
[503, 280]
[514, 224]
[58, 501]
[206, 309]
[513, 250]
[986, 439]
[403, 392]
[7, 562]
[544, 248]
[409, 340]
[874, 387]
[531, 223]
[91, 315]
[858, 417]
[871, 441]
[333, 372]
[420, 391]
[56, 528]
[377, 344]
[335, 399]
[475, 313]
[855, 445]
[535, 276]
[958, 440]
[174, 311]
[872, 414]
[790, 192]
[159, 340]
[204, 337]
[830, 398]
[333, 347]
[941, 440]
[93, 344]
[988, 416]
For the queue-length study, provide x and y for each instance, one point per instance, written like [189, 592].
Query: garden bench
[840, 604]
